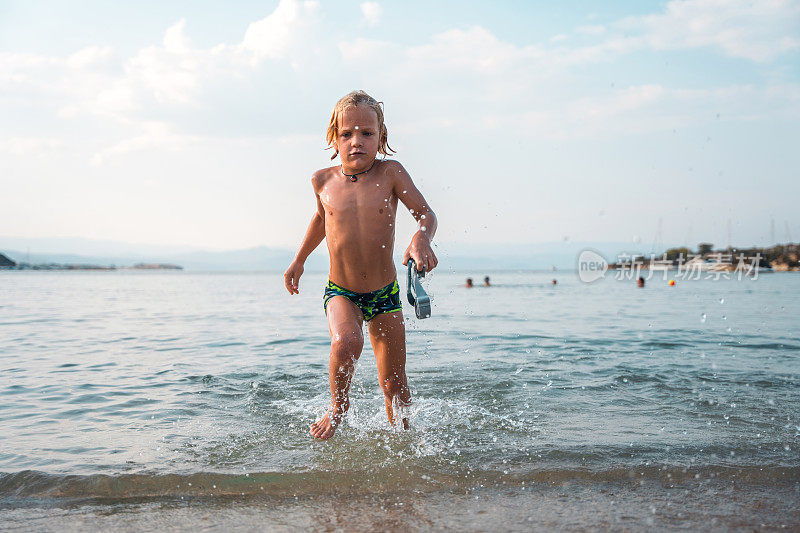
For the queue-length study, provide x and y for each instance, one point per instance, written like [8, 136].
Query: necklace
[354, 177]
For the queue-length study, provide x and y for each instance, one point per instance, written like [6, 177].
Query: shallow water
[162, 384]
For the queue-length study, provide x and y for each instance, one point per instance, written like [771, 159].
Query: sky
[196, 123]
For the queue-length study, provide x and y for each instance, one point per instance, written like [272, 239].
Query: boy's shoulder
[392, 170]
[391, 165]
[396, 173]
[321, 176]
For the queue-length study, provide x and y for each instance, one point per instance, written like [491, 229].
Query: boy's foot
[325, 427]
[399, 412]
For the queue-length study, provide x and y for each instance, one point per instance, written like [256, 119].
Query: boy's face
[359, 136]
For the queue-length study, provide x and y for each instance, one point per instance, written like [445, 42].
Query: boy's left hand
[421, 252]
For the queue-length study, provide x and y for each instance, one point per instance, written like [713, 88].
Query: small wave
[762, 345]
[667, 345]
[30, 484]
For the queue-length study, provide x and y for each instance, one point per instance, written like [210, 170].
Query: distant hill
[5, 262]
[87, 247]
[260, 258]
[455, 256]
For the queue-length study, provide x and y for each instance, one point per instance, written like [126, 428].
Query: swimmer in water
[356, 213]
[469, 283]
[486, 282]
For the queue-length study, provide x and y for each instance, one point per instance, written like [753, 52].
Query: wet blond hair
[354, 99]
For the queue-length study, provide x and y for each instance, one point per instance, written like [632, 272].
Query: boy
[356, 207]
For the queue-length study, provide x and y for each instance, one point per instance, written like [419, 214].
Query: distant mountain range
[456, 256]
[258, 258]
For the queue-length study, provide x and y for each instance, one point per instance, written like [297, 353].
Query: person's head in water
[640, 282]
[469, 282]
[554, 282]
[486, 281]
[363, 101]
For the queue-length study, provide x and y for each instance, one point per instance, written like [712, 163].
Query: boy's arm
[314, 235]
[420, 248]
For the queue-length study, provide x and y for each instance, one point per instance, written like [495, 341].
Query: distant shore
[7, 263]
[778, 258]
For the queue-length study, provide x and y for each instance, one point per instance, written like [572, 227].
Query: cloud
[150, 93]
[159, 135]
[475, 49]
[30, 146]
[621, 101]
[371, 12]
[591, 30]
[89, 57]
[178, 73]
[759, 31]
[175, 40]
[471, 80]
[19, 69]
[171, 72]
[274, 35]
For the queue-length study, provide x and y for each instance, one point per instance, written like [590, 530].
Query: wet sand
[597, 506]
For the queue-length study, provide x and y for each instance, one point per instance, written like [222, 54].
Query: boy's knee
[346, 346]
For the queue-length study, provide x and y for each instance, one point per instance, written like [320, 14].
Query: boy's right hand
[291, 278]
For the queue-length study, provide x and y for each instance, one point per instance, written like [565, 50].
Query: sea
[153, 400]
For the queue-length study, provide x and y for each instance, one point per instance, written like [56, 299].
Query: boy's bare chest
[348, 199]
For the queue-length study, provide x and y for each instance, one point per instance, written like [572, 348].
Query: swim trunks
[373, 303]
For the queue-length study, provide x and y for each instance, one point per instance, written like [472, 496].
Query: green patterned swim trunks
[373, 303]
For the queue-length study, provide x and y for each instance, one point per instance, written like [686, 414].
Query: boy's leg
[387, 333]
[347, 339]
